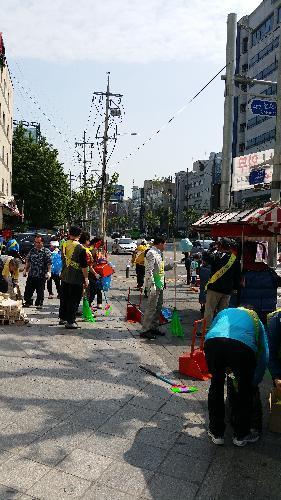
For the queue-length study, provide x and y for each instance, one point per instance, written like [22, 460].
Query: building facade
[258, 37]
[181, 181]
[204, 184]
[7, 205]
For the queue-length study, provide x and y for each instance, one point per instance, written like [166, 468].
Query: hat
[54, 244]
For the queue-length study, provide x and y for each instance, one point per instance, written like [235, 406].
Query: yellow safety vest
[68, 250]
[218, 274]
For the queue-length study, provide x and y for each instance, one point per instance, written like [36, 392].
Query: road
[79, 419]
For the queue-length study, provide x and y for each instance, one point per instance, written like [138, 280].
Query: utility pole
[83, 144]
[276, 173]
[228, 112]
[105, 138]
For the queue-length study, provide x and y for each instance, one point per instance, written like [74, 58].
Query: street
[79, 419]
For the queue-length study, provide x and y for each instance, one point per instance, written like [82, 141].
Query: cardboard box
[275, 412]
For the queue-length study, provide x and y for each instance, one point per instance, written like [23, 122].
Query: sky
[159, 54]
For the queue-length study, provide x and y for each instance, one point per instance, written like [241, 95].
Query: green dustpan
[87, 314]
[175, 325]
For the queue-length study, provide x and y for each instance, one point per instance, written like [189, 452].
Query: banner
[252, 169]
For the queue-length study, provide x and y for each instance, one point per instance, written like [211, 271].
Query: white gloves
[48, 275]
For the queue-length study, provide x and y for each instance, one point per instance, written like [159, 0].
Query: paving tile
[145, 456]
[7, 493]
[102, 492]
[127, 478]
[169, 488]
[184, 467]
[156, 436]
[45, 452]
[59, 485]
[106, 445]
[145, 401]
[168, 422]
[66, 435]
[85, 464]
[21, 474]
[127, 421]
[193, 447]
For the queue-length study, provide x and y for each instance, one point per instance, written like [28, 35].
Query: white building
[7, 205]
[204, 184]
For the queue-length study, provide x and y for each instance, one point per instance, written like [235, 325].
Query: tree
[152, 220]
[190, 216]
[39, 180]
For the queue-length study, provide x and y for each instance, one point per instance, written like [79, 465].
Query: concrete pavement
[79, 419]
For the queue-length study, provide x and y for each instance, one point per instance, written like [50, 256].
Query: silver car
[123, 245]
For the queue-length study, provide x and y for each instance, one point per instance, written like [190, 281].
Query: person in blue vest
[274, 340]
[12, 247]
[55, 270]
[236, 342]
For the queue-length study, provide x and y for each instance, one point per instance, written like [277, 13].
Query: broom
[175, 324]
[87, 314]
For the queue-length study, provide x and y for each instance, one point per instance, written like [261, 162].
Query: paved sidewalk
[79, 419]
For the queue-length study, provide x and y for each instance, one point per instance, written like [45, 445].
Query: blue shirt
[56, 262]
[237, 324]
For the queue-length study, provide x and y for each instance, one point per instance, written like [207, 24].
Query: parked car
[200, 246]
[123, 245]
[26, 241]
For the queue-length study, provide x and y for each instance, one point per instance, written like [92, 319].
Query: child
[204, 275]
[194, 267]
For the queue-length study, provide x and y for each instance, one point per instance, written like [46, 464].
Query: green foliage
[39, 180]
[190, 216]
[152, 220]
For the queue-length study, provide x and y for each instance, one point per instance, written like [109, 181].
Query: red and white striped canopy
[268, 217]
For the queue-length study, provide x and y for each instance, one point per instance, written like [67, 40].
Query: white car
[124, 245]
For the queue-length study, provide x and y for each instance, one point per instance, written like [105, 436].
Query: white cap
[54, 244]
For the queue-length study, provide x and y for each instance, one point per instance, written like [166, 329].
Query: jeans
[56, 279]
[221, 354]
[34, 284]
[94, 290]
[140, 272]
[153, 310]
[70, 297]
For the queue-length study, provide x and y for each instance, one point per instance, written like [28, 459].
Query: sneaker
[150, 335]
[62, 322]
[71, 326]
[51, 296]
[253, 437]
[25, 304]
[218, 440]
[99, 306]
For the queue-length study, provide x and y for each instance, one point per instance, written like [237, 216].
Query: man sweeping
[155, 278]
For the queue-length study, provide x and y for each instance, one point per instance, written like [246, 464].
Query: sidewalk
[79, 419]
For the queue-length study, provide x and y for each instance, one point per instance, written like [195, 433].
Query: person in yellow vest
[225, 277]
[10, 276]
[138, 259]
[74, 277]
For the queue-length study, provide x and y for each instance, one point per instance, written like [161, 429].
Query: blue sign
[257, 176]
[265, 108]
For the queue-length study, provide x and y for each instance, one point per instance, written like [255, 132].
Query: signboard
[264, 108]
[117, 193]
[252, 169]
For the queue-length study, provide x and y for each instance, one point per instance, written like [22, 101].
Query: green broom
[87, 314]
[175, 324]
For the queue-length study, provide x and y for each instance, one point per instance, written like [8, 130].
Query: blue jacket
[274, 340]
[260, 290]
[56, 262]
[12, 245]
[237, 324]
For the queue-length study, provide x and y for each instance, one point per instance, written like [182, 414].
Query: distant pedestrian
[56, 269]
[95, 289]
[138, 259]
[187, 261]
[38, 267]
[194, 268]
[204, 275]
[74, 277]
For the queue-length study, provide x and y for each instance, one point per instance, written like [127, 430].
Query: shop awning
[261, 222]
[10, 210]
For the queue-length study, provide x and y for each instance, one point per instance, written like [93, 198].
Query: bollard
[128, 270]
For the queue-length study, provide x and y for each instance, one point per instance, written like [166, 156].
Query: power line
[170, 120]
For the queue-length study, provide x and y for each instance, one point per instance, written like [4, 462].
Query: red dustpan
[193, 363]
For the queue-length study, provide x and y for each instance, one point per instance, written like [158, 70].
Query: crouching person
[155, 279]
[236, 342]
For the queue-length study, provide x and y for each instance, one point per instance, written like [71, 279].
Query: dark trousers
[56, 279]
[256, 415]
[3, 285]
[221, 354]
[34, 284]
[70, 297]
[94, 290]
[140, 272]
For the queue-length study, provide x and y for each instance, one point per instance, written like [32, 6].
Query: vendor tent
[259, 223]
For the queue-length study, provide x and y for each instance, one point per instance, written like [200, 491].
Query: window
[279, 15]
[242, 127]
[245, 45]
[261, 139]
[265, 72]
[243, 107]
[242, 147]
[262, 30]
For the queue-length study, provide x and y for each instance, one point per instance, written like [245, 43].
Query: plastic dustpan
[193, 363]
